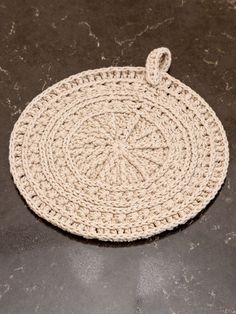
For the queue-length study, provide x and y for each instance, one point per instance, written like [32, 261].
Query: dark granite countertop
[44, 270]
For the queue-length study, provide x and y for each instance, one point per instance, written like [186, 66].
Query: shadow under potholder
[119, 153]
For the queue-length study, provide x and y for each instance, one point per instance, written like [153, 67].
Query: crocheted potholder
[119, 153]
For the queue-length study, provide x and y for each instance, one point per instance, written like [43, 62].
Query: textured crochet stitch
[119, 153]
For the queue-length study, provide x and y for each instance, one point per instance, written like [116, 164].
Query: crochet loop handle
[157, 63]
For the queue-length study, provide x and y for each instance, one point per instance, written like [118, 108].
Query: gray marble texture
[44, 270]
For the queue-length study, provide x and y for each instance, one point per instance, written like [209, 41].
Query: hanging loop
[157, 63]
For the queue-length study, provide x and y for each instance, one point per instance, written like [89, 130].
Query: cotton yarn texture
[119, 153]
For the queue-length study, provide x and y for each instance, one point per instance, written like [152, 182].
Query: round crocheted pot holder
[119, 153]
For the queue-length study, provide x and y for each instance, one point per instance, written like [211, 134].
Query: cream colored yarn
[119, 153]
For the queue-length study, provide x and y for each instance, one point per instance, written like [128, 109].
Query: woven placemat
[119, 153]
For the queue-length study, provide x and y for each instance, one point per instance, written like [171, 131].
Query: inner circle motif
[117, 148]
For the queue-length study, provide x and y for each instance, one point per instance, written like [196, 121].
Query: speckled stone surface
[44, 270]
